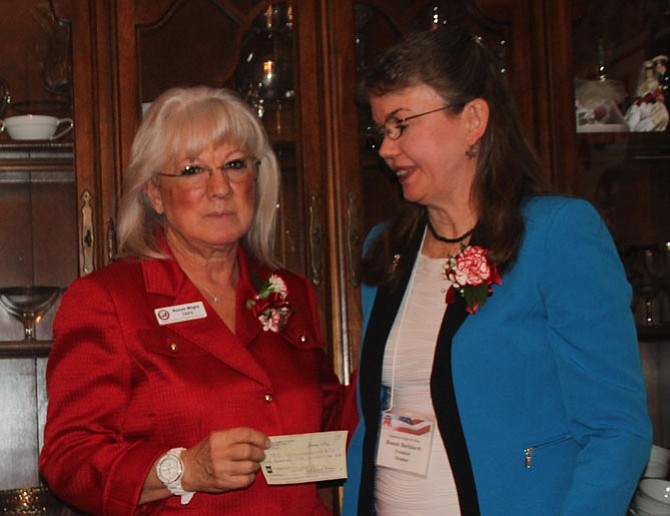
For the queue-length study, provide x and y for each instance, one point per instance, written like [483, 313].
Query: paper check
[298, 458]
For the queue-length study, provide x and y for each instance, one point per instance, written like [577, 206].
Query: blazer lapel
[168, 285]
[446, 407]
[246, 325]
[384, 310]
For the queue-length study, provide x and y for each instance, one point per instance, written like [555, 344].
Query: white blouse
[407, 370]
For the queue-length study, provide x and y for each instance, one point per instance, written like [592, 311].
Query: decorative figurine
[649, 111]
[661, 65]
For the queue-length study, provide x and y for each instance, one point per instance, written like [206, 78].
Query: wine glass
[664, 273]
[642, 302]
[28, 304]
[655, 267]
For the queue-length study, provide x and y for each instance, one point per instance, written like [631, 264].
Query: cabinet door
[268, 52]
[37, 180]
[37, 227]
[362, 191]
[95, 158]
[613, 150]
[127, 53]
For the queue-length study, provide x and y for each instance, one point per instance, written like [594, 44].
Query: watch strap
[176, 487]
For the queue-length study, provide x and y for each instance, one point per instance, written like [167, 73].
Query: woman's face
[206, 211]
[429, 157]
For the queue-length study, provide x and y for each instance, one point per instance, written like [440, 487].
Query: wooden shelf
[639, 145]
[654, 332]
[25, 348]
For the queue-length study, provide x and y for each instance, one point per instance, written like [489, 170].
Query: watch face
[169, 469]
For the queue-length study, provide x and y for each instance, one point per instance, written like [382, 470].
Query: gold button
[304, 339]
[174, 346]
[268, 398]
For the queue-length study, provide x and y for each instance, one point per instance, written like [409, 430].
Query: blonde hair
[187, 120]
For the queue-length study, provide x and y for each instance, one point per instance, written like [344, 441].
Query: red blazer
[123, 390]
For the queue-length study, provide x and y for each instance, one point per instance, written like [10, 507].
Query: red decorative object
[471, 275]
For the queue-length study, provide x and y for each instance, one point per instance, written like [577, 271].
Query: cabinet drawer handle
[315, 238]
[88, 236]
[111, 240]
[354, 238]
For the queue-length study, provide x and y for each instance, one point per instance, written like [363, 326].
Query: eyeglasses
[239, 170]
[394, 128]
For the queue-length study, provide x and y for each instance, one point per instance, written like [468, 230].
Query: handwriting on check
[298, 458]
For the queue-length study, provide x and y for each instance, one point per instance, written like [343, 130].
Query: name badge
[405, 442]
[180, 313]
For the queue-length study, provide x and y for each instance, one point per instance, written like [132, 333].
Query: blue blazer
[539, 395]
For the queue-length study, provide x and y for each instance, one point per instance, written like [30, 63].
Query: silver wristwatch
[170, 470]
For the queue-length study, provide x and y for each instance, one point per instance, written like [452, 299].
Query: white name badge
[405, 442]
[180, 313]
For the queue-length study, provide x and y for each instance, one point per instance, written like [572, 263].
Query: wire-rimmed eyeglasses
[394, 128]
[238, 170]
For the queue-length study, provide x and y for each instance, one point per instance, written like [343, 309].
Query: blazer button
[268, 398]
[174, 347]
[304, 339]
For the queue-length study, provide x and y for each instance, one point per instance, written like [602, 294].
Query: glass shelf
[659, 332]
[38, 189]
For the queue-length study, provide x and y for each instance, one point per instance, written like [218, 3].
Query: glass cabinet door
[251, 51]
[378, 26]
[37, 179]
[371, 192]
[623, 162]
[622, 101]
[38, 226]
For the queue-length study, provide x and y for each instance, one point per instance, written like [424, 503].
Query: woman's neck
[447, 230]
[212, 269]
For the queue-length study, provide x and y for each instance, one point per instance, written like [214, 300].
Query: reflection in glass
[28, 305]
[265, 76]
[648, 270]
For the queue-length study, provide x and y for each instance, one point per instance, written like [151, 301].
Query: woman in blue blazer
[499, 372]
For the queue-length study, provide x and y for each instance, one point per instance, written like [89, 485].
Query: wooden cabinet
[123, 53]
[126, 52]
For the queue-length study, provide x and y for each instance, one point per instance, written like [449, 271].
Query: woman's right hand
[224, 460]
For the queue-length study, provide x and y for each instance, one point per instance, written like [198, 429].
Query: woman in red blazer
[172, 366]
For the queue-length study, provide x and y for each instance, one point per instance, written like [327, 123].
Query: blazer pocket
[538, 451]
[301, 336]
[169, 344]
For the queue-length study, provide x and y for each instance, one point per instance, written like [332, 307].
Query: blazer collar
[386, 306]
[167, 285]
[384, 312]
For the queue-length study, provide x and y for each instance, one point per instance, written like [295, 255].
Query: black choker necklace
[449, 240]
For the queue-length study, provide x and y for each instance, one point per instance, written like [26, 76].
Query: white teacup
[659, 454]
[35, 127]
[653, 497]
[645, 506]
[659, 463]
[656, 469]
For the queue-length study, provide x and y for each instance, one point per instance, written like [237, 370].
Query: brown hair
[457, 65]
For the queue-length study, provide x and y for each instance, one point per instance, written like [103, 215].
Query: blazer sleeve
[84, 457]
[592, 332]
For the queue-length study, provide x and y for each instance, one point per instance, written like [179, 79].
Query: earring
[472, 150]
[394, 265]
